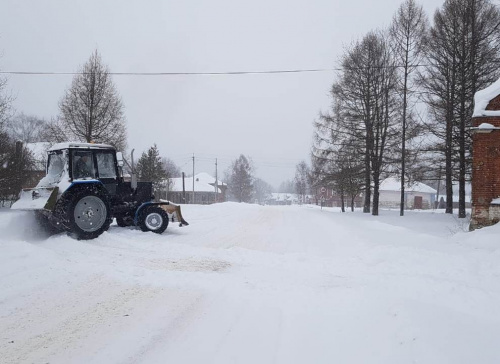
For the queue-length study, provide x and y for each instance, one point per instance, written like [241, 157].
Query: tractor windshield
[55, 166]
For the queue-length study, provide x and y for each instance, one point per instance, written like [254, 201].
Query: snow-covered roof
[203, 182]
[206, 178]
[482, 99]
[68, 145]
[393, 184]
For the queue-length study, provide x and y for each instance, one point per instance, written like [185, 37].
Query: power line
[223, 73]
[49, 73]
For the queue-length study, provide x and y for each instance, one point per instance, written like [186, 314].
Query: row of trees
[245, 187]
[403, 99]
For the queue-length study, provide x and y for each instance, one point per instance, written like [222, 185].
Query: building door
[417, 202]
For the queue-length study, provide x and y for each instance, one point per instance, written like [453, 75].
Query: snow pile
[254, 284]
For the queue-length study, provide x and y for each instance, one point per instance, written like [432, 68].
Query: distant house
[278, 198]
[417, 195]
[204, 190]
[328, 197]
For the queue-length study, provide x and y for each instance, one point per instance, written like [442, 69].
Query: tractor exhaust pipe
[134, 174]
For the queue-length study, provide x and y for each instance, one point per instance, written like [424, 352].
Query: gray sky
[267, 117]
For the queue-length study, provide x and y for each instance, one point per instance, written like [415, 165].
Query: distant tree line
[402, 102]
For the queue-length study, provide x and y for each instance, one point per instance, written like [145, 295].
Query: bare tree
[407, 32]
[262, 190]
[26, 128]
[5, 103]
[301, 180]
[286, 187]
[171, 169]
[368, 107]
[336, 158]
[91, 110]
[240, 181]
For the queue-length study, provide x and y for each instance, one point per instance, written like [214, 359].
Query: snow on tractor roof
[69, 145]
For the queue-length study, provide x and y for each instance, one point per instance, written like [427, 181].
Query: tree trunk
[342, 201]
[403, 141]
[366, 206]
[375, 196]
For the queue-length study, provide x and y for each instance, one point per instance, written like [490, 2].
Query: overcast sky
[267, 117]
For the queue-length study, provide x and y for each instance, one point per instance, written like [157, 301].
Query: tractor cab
[84, 189]
[72, 162]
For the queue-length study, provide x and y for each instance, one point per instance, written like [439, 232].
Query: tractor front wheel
[153, 219]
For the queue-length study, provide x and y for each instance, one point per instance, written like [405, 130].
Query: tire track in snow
[58, 328]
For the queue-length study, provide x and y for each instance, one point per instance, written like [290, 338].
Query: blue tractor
[84, 189]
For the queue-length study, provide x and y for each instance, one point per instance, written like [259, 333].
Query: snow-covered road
[253, 284]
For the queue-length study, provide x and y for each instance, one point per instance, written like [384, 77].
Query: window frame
[115, 164]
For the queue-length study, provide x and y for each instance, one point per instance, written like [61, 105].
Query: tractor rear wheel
[88, 214]
[153, 219]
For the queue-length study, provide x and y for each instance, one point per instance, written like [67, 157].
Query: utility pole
[183, 189]
[216, 181]
[193, 179]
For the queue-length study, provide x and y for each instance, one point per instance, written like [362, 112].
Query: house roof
[393, 184]
[206, 178]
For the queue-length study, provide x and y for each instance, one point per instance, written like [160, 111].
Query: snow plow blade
[31, 199]
[174, 213]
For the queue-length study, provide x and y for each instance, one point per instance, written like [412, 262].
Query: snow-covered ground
[253, 284]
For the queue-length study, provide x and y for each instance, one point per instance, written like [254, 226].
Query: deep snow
[253, 284]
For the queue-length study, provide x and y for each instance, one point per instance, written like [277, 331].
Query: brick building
[486, 157]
